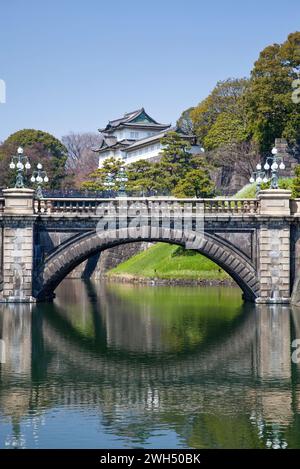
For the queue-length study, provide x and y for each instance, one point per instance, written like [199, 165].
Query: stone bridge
[254, 240]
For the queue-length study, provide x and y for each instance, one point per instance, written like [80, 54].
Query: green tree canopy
[228, 128]
[185, 122]
[145, 176]
[98, 178]
[225, 100]
[176, 149]
[29, 137]
[175, 158]
[271, 112]
[296, 183]
[39, 146]
[196, 183]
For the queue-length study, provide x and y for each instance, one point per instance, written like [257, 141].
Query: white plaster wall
[137, 134]
[151, 151]
[110, 154]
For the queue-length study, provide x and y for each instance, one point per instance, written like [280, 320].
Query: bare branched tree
[78, 144]
[82, 160]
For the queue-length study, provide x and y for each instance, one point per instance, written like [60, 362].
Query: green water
[121, 366]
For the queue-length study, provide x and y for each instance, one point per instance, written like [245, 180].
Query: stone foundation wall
[289, 155]
[228, 180]
[99, 264]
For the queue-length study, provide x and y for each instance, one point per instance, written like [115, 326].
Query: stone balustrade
[89, 206]
[231, 206]
[93, 206]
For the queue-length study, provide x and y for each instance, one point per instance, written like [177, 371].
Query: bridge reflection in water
[114, 365]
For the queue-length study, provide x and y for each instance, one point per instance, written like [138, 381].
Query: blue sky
[73, 65]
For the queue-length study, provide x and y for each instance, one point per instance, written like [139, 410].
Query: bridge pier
[274, 246]
[17, 246]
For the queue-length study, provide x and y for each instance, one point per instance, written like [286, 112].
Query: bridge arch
[69, 255]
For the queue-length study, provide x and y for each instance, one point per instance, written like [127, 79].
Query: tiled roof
[128, 118]
[130, 145]
[112, 142]
[144, 141]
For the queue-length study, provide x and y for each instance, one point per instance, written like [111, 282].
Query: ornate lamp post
[269, 172]
[122, 179]
[39, 176]
[109, 183]
[274, 162]
[258, 177]
[21, 162]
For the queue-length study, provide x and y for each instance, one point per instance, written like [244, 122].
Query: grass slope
[249, 191]
[168, 261]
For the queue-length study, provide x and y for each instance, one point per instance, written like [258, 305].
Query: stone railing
[68, 206]
[231, 206]
[96, 206]
[295, 207]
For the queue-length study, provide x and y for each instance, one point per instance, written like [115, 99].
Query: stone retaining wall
[98, 265]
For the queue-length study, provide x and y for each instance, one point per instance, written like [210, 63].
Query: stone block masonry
[107, 260]
[274, 249]
[17, 264]
[17, 246]
[274, 267]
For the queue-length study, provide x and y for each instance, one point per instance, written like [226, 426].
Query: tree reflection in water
[186, 366]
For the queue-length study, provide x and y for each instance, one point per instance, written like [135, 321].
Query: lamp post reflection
[126, 374]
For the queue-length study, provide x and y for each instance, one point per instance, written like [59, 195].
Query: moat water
[123, 366]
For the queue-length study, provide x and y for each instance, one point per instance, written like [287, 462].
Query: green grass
[249, 191]
[168, 261]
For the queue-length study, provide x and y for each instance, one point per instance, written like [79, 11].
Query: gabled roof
[112, 142]
[147, 140]
[157, 137]
[138, 117]
[130, 145]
